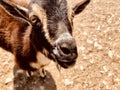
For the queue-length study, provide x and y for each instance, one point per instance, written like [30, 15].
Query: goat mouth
[63, 61]
[65, 64]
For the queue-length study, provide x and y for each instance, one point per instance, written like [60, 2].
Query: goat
[44, 27]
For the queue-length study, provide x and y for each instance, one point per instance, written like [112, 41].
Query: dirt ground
[97, 33]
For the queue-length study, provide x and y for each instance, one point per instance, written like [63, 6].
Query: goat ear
[14, 10]
[80, 6]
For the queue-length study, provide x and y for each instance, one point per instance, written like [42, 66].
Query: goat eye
[33, 19]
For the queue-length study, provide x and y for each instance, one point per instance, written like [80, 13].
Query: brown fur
[9, 25]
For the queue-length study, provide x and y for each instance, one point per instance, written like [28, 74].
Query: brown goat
[44, 27]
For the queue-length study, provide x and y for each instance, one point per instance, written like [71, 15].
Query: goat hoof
[42, 74]
[29, 74]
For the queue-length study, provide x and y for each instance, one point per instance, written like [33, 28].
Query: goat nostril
[65, 50]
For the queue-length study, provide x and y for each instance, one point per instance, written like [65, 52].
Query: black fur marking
[81, 7]
[39, 40]
[56, 12]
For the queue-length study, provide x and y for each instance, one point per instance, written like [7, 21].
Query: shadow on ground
[23, 82]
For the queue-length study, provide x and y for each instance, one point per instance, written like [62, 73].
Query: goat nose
[67, 47]
[65, 50]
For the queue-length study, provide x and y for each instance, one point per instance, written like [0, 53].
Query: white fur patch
[63, 36]
[22, 8]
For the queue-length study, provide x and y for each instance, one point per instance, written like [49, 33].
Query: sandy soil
[97, 32]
